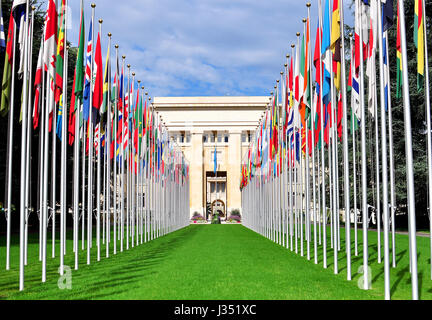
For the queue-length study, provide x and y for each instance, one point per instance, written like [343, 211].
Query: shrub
[197, 217]
[234, 218]
[235, 212]
[216, 219]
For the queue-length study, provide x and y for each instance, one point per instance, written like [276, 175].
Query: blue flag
[2, 34]
[215, 161]
[89, 76]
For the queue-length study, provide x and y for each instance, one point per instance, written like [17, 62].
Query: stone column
[233, 171]
[196, 173]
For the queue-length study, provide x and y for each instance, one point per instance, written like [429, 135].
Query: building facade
[203, 126]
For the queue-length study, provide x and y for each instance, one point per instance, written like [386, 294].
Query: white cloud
[201, 47]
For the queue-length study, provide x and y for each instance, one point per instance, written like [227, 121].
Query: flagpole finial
[124, 57]
[146, 93]
[100, 21]
[285, 65]
[277, 81]
[281, 73]
[298, 34]
[293, 46]
[128, 66]
[142, 87]
[287, 56]
[304, 20]
[109, 34]
[139, 81]
[33, 8]
[271, 93]
[350, 34]
[133, 74]
[308, 4]
[116, 46]
[93, 5]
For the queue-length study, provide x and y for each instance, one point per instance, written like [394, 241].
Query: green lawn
[210, 262]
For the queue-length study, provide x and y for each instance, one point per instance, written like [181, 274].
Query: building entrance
[216, 194]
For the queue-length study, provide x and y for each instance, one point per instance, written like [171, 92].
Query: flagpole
[147, 191]
[126, 119]
[384, 158]
[429, 128]
[76, 169]
[41, 164]
[137, 170]
[98, 172]
[353, 119]
[53, 167]
[363, 161]
[308, 5]
[345, 150]
[323, 189]
[115, 152]
[63, 186]
[307, 167]
[409, 158]
[10, 149]
[29, 145]
[122, 161]
[333, 151]
[108, 152]
[23, 149]
[132, 162]
[143, 203]
[90, 143]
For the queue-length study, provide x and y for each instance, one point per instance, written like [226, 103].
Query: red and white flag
[50, 45]
[37, 86]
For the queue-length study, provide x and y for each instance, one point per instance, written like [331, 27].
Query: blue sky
[201, 47]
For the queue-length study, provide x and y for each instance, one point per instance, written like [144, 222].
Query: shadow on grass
[121, 273]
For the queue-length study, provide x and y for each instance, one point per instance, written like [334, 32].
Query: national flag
[355, 92]
[399, 65]
[19, 13]
[78, 83]
[419, 42]
[7, 70]
[106, 82]
[335, 29]
[120, 102]
[59, 118]
[325, 53]
[387, 12]
[98, 88]
[336, 44]
[18, 9]
[60, 54]
[371, 59]
[37, 86]
[215, 161]
[2, 34]
[88, 76]
[50, 45]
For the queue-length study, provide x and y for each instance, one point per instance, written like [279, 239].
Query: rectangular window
[226, 138]
[205, 138]
[243, 138]
[188, 138]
